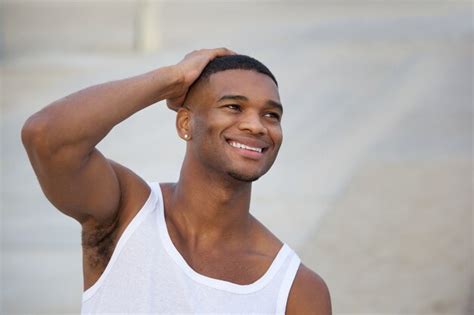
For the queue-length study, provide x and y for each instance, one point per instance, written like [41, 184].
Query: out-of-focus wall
[373, 183]
[67, 26]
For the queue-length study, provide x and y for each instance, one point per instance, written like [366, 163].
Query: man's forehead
[248, 83]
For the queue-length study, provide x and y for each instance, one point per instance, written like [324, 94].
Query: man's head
[232, 116]
[234, 62]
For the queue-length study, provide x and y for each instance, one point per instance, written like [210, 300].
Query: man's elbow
[34, 134]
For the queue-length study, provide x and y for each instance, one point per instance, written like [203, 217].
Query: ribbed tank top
[147, 274]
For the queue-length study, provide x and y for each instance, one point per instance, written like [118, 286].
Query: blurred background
[373, 184]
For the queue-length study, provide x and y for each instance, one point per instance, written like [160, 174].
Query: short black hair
[235, 62]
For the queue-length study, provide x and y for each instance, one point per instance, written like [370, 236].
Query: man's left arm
[309, 294]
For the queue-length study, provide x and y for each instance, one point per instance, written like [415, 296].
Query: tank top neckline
[224, 285]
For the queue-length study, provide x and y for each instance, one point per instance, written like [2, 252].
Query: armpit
[98, 243]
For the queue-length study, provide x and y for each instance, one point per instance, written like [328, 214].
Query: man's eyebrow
[244, 98]
[275, 105]
[233, 97]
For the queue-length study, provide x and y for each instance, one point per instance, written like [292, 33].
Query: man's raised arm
[60, 139]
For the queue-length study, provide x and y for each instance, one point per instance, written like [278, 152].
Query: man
[185, 247]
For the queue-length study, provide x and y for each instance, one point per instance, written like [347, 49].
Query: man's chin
[243, 177]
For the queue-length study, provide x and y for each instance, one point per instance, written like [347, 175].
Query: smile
[238, 145]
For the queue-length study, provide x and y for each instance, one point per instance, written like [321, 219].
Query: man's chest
[240, 268]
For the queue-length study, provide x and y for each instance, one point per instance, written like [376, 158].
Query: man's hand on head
[189, 70]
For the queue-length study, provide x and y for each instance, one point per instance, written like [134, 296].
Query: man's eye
[233, 106]
[273, 116]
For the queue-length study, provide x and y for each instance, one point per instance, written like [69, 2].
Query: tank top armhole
[147, 207]
[286, 284]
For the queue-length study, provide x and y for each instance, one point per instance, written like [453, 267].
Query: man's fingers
[175, 103]
[190, 68]
[216, 52]
[206, 55]
[219, 52]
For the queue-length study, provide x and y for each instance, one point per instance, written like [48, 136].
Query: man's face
[236, 125]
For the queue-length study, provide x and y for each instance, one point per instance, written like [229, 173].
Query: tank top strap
[148, 207]
[288, 280]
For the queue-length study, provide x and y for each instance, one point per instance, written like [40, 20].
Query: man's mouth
[239, 145]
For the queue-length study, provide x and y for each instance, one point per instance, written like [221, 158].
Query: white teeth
[243, 146]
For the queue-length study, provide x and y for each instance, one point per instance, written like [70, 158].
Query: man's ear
[183, 123]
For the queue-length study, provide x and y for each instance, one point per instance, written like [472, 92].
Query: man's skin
[207, 210]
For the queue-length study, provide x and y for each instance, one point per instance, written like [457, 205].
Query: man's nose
[252, 123]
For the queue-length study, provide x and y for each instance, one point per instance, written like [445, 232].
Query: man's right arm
[60, 139]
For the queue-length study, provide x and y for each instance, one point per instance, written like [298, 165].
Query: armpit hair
[98, 243]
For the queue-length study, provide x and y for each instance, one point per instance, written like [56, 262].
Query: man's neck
[210, 209]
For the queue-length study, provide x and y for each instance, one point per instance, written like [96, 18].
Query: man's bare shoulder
[309, 294]
[264, 239]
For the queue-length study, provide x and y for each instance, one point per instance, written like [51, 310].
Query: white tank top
[147, 274]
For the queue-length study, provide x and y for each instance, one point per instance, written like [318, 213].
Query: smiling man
[185, 247]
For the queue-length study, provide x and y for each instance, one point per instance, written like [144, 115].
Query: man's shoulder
[309, 294]
[264, 240]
